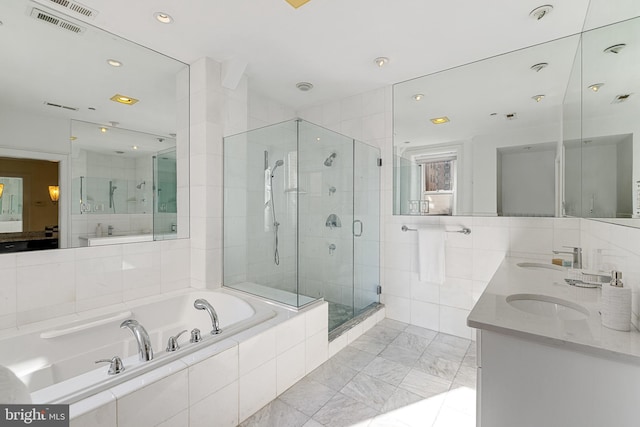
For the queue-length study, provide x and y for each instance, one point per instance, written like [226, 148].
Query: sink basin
[539, 265]
[547, 306]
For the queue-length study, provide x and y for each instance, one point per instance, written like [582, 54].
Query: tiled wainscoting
[220, 385]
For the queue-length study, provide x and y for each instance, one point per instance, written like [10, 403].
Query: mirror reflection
[543, 131]
[59, 83]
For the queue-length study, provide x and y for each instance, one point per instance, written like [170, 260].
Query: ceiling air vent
[511, 116]
[55, 20]
[621, 98]
[76, 7]
[51, 104]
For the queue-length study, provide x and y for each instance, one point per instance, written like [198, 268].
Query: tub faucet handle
[116, 365]
[172, 345]
[195, 335]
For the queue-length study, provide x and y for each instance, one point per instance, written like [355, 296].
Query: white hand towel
[431, 254]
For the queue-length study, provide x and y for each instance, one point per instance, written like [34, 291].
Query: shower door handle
[357, 221]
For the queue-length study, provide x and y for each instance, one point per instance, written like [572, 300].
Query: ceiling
[332, 43]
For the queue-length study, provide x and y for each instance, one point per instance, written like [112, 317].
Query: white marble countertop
[492, 312]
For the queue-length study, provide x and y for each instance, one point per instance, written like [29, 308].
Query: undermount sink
[539, 265]
[547, 306]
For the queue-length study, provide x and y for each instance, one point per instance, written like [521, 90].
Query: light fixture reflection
[54, 193]
[537, 98]
[596, 87]
[440, 120]
[162, 17]
[1, 189]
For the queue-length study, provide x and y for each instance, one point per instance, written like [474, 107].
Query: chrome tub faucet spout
[145, 352]
[203, 304]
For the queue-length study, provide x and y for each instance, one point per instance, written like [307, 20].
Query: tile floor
[395, 375]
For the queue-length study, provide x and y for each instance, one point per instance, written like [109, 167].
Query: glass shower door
[366, 226]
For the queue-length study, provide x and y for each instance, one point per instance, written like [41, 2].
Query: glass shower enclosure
[301, 218]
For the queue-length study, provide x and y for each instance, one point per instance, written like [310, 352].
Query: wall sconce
[54, 193]
[1, 189]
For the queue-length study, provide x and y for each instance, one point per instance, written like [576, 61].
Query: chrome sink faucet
[145, 352]
[577, 255]
[203, 304]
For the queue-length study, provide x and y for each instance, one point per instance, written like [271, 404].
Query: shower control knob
[195, 335]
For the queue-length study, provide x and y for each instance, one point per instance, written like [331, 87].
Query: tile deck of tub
[394, 375]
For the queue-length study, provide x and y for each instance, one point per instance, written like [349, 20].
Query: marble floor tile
[312, 423]
[401, 355]
[411, 342]
[461, 399]
[466, 376]
[424, 384]
[368, 390]
[460, 344]
[421, 413]
[386, 370]
[307, 396]
[452, 418]
[343, 411]
[354, 358]
[276, 414]
[369, 344]
[438, 366]
[393, 324]
[383, 334]
[333, 374]
[421, 332]
[446, 351]
[400, 399]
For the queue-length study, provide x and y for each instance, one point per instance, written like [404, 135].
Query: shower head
[278, 163]
[139, 186]
[329, 160]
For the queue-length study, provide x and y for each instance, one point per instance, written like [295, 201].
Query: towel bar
[464, 230]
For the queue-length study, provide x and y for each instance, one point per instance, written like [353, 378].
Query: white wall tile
[290, 367]
[155, 403]
[98, 410]
[212, 374]
[317, 319]
[290, 333]
[424, 314]
[454, 321]
[397, 308]
[256, 351]
[316, 350]
[219, 409]
[257, 388]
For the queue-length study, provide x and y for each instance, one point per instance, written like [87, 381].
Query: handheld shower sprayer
[329, 160]
[278, 163]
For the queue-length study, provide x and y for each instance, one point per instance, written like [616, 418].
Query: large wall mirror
[525, 133]
[110, 117]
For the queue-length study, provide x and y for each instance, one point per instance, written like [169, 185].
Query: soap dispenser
[99, 230]
[616, 304]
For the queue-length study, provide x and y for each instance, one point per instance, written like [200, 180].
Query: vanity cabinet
[28, 245]
[526, 383]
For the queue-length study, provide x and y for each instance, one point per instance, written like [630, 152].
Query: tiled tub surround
[573, 372]
[56, 359]
[223, 383]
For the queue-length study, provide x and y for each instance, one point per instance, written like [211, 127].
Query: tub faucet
[203, 304]
[577, 255]
[145, 352]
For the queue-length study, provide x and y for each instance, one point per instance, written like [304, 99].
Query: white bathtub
[57, 362]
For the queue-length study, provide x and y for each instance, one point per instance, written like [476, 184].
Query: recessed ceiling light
[381, 61]
[73, 138]
[539, 66]
[440, 120]
[297, 3]
[103, 129]
[418, 97]
[537, 98]
[616, 48]
[304, 86]
[596, 86]
[540, 12]
[163, 17]
[135, 147]
[122, 99]
[114, 62]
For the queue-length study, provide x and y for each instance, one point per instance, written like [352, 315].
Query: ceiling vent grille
[76, 7]
[57, 21]
[51, 104]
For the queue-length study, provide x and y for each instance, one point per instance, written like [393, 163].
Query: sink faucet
[110, 230]
[203, 304]
[577, 255]
[145, 352]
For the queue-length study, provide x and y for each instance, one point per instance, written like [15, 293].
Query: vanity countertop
[492, 312]
[25, 237]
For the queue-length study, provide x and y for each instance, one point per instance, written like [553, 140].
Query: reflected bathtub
[57, 362]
